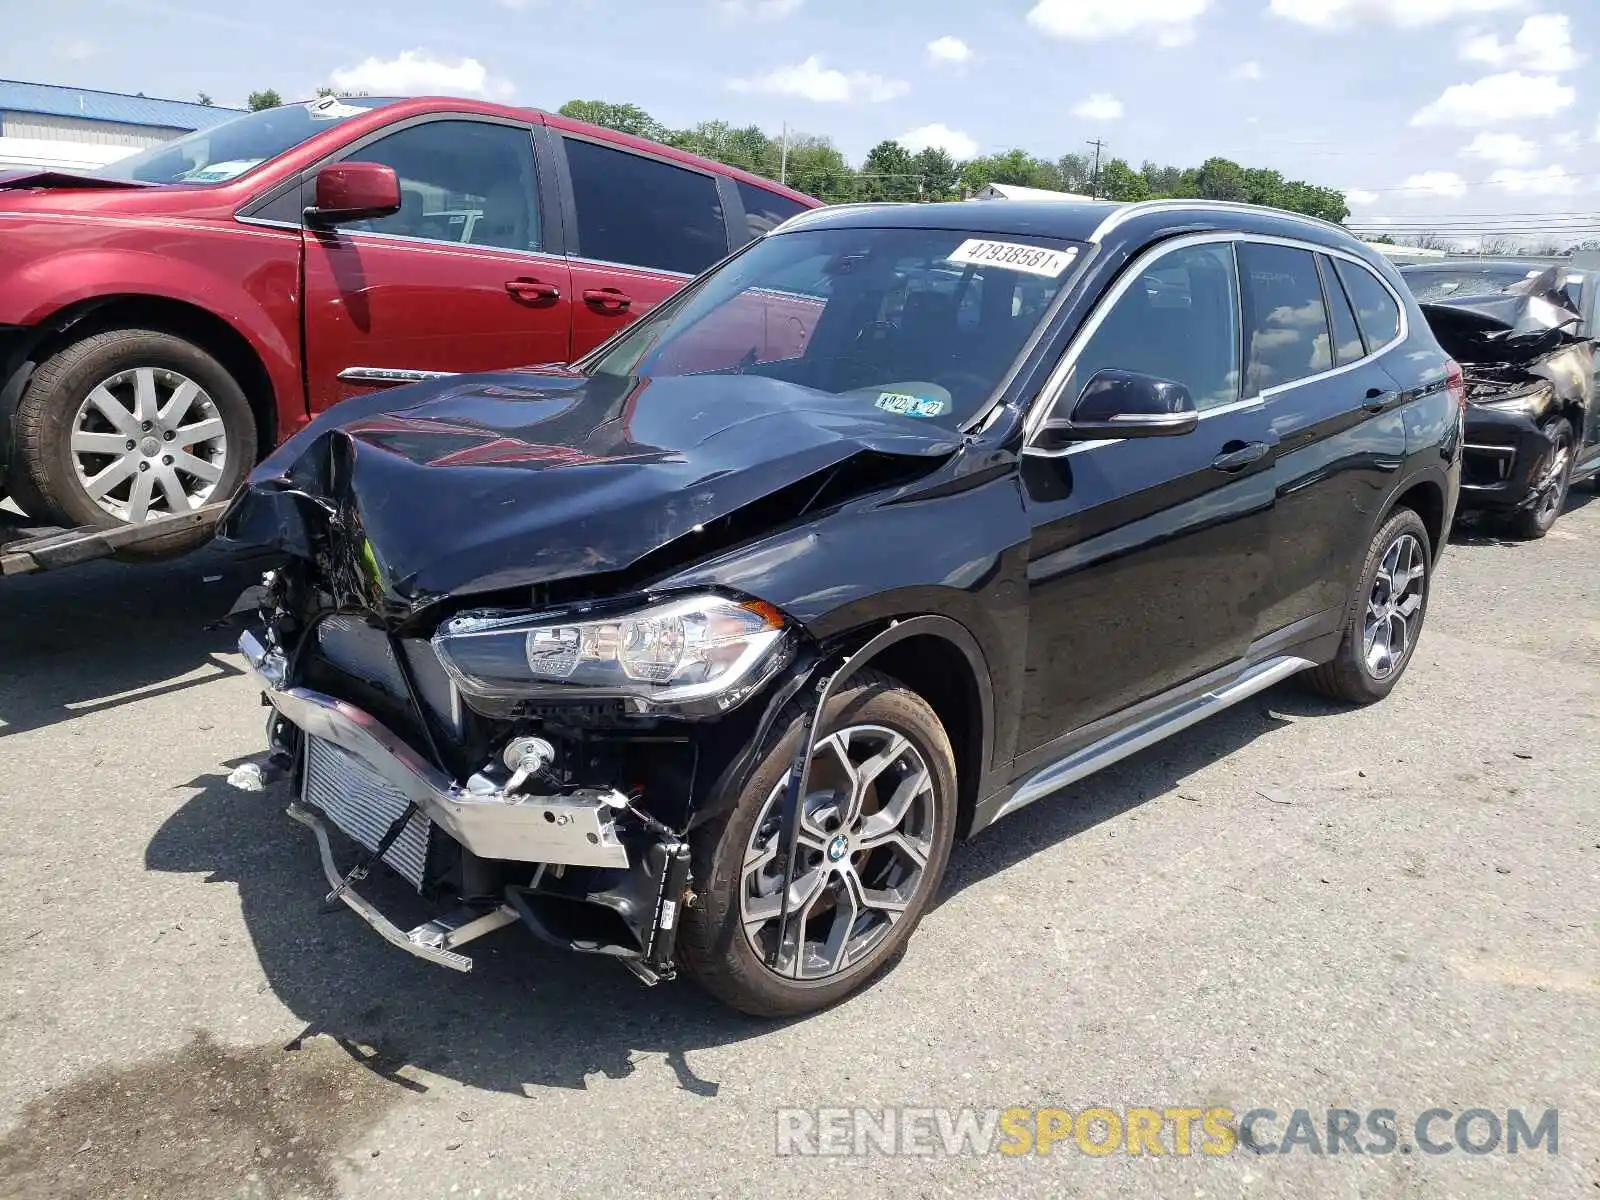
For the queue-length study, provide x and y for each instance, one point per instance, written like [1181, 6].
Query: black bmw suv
[702, 652]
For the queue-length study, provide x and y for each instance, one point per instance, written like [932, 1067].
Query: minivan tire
[49, 486]
[1349, 676]
[713, 946]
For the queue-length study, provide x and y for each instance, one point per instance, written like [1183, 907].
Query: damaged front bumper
[1501, 459]
[354, 773]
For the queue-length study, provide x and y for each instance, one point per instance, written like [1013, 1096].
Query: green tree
[890, 173]
[1076, 172]
[941, 175]
[266, 99]
[1221, 179]
[1383, 239]
[204, 98]
[1119, 181]
[816, 166]
[325, 90]
[1162, 181]
[624, 118]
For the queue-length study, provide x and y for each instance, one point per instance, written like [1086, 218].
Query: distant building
[1015, 191]
[78, 129]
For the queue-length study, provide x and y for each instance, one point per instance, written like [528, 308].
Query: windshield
[921, 323]
[1479, 279]
[228, 150]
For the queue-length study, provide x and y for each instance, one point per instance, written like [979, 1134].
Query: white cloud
[1356, 198]
[417, 72]
[1102, 106]
[78, 50]
[1435, 183]
[810, 80]
[1170, 22]
[1511, 96]
[1402, 14]
[1246, 70]
[1544, 43]
[759, 10]
[1570, 140]
[949, 51]
[1540, 181]
[958, 145]
[1509, 148]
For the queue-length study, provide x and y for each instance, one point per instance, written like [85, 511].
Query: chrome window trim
[1051, 391]
[635, 267]
[440, 245]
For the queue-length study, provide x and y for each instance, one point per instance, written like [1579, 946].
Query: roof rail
[1141, 207]
[800, 218]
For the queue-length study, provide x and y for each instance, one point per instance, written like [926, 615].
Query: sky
[1451, 114]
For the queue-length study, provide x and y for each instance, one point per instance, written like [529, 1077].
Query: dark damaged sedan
[701, 653]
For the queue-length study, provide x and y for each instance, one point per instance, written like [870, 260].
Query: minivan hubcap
[866, 830]
[1394, 608]
[148, 441]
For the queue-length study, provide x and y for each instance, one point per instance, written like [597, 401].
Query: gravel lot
[1291, 906]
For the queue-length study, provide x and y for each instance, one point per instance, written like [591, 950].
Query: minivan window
[764, 211]
[467, 182]
[1347, 347]
[1286, 323]
[644, 212]
[228, 150]
[1179, 320]
[917, 323]
[1375, 308]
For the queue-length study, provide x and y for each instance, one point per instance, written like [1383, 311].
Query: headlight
[695, 648]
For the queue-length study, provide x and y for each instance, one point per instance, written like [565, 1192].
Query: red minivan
[168, 320]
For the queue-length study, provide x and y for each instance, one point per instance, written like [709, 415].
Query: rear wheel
[1548, 495]
[1385, 616]
[129, 425]
[876, 826]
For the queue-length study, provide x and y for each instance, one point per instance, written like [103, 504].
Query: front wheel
[1385, 615]
[876, 825]
[129, 425]
[1548, 494]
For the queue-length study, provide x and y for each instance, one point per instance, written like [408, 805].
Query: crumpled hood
[1528, 319]
[485, 482]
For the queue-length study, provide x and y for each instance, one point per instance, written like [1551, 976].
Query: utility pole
[1094, 179]
[783, 164]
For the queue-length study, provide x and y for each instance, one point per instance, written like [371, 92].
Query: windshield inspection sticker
[1013, 256]
[909, 406]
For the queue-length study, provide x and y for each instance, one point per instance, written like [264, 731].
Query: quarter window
[1286, 323]
[1347, 347]
[644, 212]
[1375, 308]
[1178, 321]
[468, 182]
[764, 211]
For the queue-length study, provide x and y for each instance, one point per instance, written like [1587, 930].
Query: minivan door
[1149, 555]
[457, 280]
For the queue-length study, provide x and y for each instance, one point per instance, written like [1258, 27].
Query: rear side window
[1375, 307]
[643, 212]
[1347, 347]
[764, 211]
[1285, 321]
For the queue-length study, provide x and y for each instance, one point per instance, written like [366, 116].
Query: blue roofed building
[78, 129]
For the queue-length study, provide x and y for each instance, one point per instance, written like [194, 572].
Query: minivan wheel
[129, 425]
[1385, 615]
[876, 828]
[1548, 495]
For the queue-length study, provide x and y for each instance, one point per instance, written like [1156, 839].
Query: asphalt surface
[1290, 906]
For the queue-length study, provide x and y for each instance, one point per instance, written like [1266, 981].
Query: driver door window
[1178, 320]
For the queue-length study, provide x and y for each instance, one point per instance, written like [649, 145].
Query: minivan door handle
[607, 300]
[1236, 456]
[532, 290]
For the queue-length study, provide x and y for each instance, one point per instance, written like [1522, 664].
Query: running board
[1149, 731]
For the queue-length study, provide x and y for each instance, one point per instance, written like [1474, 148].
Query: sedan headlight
[702, 647]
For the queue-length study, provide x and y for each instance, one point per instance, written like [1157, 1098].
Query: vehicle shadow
[1484, 529]
[106, 634]
[528, 1017]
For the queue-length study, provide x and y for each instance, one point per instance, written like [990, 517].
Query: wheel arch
[1426, 498]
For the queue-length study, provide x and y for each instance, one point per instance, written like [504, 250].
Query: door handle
[1241, 455]
[1377, 400]
[532, 290]
[607, 300]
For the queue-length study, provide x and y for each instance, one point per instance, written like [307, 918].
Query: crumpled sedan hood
[485, 482]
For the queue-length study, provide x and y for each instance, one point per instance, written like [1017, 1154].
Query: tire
[713, 944]
[1550, 494]
[143, 372]
[1352, 676]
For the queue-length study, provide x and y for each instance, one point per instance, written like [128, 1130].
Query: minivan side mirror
[354, 191]
[1122, 404]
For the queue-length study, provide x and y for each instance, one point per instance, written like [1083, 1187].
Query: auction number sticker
[910, 406]
[1013, 256]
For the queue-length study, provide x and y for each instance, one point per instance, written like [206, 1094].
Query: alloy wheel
[148, 441]
[867, 827]
[1394, 606]
[1551, 488]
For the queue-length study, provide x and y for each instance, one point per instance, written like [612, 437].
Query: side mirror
[354, 192]
[1122, 404]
